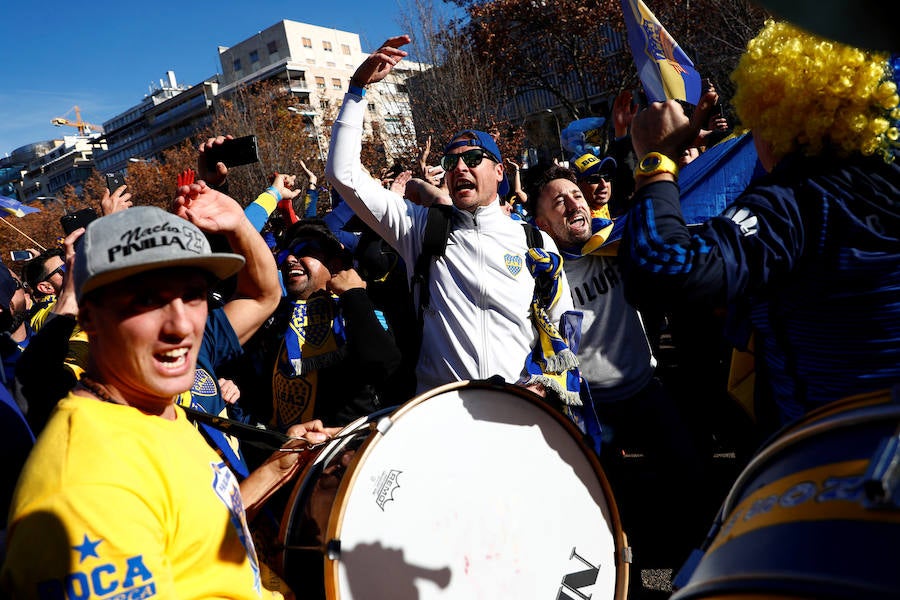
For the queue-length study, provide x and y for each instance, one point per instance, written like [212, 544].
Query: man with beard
[326, 351]
[477, 322]
[635, 411]
[614, 356]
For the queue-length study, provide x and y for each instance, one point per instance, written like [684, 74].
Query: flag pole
[23, 233]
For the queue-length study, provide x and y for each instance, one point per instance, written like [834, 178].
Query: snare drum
[471, 490]
[816, 513]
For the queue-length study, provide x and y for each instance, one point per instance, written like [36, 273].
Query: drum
[816, 513]
[472, 490]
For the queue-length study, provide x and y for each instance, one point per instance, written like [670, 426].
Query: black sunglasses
[472, 158]
[597, 177]
[61, 269]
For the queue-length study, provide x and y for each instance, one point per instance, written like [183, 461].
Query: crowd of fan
[331, 319]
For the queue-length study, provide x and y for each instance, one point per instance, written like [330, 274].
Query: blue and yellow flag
[10, 206]
[665, 70]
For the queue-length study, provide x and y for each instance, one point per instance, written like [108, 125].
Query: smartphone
[114, 181]
[236, 152]
[77, 219]
[18, 255]
[639, 98]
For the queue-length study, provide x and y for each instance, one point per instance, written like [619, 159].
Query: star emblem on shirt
[87, 548]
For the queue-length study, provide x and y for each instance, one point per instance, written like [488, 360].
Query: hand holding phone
[114, 181]
[20, 255]
[80, 218]
[233, 152]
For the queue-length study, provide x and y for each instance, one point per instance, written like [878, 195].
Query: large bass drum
[472, 490]
[816, 513]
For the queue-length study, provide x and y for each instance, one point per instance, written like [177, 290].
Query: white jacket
[478, 321]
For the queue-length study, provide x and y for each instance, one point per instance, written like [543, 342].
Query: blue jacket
[808, 257]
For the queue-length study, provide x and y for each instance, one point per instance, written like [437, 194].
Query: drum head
[474, 491]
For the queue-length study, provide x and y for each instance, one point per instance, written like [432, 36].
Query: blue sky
[102, 56]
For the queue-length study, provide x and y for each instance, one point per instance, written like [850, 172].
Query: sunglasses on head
[597, 178]
[61, 269]
[472, 158]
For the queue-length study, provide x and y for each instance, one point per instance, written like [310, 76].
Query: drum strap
[256, 436]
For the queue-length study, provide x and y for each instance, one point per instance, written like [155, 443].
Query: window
[330, 64]
[307, 43]
[320, 83]
[272, 47]
[336, 83]
[371, 107]
[345, 48]
[310, 61]
[326, 46]
[237, 64]
[324, 103]
[254, 56]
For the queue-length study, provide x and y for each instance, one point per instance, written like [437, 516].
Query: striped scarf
[604, 239]
[551, 362]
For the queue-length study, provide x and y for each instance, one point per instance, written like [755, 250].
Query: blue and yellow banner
[665, 70]
[10, 206]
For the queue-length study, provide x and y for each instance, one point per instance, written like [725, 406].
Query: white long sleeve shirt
[478, 320]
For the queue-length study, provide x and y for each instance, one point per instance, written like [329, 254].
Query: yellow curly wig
[804, 93]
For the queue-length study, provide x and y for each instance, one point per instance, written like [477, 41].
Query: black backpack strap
[542, 285]
[533, 235]
[437, 230]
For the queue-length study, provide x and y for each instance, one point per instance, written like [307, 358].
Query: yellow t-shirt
[115, 502]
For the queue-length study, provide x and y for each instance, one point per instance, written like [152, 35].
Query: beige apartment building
[316, 64]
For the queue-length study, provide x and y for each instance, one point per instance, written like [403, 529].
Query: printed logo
[744, 219]
[156, 236]
[576, 581]
[204, 384]
[513, 263]
[226, 487]
[128, 578]
[385, 487]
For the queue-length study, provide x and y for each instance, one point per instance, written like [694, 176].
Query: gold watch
[655, 163]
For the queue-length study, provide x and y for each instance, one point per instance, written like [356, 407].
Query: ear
[45, 288]
[86, 318]
[542, 223]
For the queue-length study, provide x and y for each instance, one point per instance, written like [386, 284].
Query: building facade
[167, 116]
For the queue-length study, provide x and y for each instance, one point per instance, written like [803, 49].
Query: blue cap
[486, 142]
[589, 164]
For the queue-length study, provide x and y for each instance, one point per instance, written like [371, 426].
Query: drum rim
[807, 428]
[338, 509]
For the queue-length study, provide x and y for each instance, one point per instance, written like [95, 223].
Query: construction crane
[83, 128]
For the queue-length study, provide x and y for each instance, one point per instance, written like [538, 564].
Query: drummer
[121, 495]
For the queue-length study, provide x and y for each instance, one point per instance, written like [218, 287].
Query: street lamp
[311, 115]
[562, 155]
[134, 159]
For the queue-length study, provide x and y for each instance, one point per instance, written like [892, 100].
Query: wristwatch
[655, 163]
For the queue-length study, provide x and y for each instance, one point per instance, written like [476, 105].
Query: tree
[572, 49]
[457, 90]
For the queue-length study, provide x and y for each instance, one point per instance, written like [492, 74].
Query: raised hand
[378, 64]
[208, 209]
[214, 176]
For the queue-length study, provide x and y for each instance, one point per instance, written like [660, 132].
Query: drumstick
[313, 445]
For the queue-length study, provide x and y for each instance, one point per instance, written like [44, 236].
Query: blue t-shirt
[220, 344]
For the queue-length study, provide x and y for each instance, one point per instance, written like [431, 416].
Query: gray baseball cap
[140, 239]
